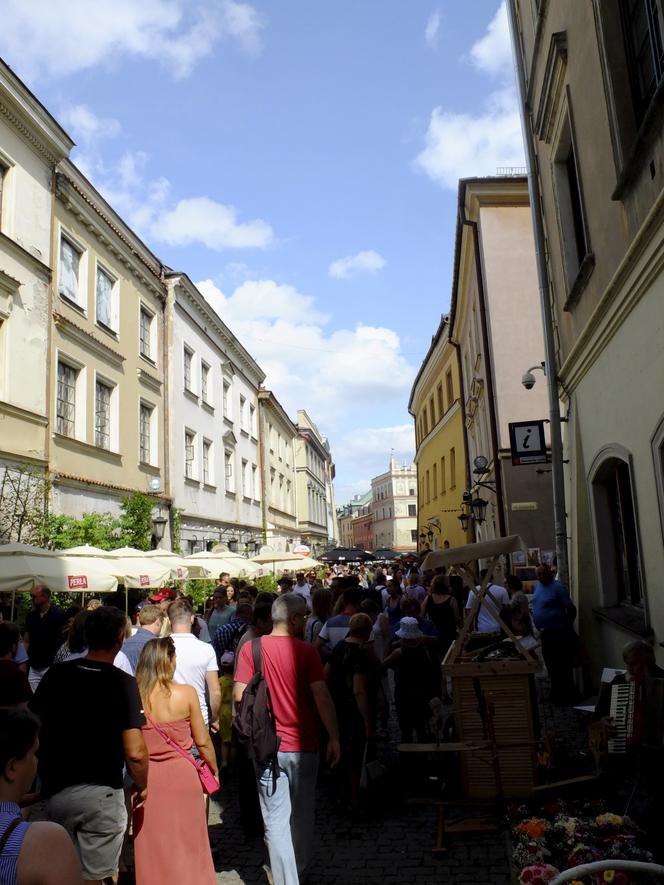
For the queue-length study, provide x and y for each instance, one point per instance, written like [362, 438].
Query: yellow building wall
[440, 458]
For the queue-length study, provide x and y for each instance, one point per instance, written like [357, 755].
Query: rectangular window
[411, 490]
[243, 414]
[144, 433]
[66, 400]
[435, 481]
[104, 299]
[189, 453]
[68, 271]
[227, 400]
[103, 415]
[252, 421]
[3, 175]
[254, 483]
[428, 485]
[207, 465]
[205, 375]
[245, 479]
[439, 395]
[413, 536]
[188, 359]
[443, 487]
[432, 412]
[452, 468]
[412, 510]
[145, 333]
[425, 425]
[644, 51]
[449, 388]
[573, 230]
[228, 471]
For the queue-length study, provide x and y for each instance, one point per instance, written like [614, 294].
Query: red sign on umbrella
[77, 582]
[144, 580]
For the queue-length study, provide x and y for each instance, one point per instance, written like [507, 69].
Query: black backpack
[254, 725]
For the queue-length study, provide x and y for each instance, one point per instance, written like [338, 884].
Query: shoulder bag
[206, 776]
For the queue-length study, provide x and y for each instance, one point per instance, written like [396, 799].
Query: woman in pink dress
[171, 841]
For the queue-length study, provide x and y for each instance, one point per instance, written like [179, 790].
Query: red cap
[160, 595]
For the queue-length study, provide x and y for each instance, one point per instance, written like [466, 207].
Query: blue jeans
[289, 811]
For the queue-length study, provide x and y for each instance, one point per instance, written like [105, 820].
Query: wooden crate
[508, 692]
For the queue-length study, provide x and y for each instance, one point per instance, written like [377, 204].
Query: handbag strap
[171, 742]
[10, 829]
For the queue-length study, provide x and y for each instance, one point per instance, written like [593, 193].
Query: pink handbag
[206, 776]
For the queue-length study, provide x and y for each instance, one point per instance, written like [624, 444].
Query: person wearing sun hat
[163, 599]
[417, 679]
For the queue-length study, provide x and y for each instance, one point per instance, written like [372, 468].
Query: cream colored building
[394, 508]
[277, 435]
[595, 94]
[313, 467]
[107, 402]
[437, 406]
[495, 320]
[31, 145]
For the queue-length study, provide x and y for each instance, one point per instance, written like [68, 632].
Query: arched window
[613, 506]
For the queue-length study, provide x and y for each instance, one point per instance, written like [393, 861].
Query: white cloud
[364, 262]
[42, 38]
[368, 448]
[86, 126]
[431, 32]
[334, 374]
[202, 220]
[493, 52]
[462, 144]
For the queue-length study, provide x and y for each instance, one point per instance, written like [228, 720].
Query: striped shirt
[9, 811]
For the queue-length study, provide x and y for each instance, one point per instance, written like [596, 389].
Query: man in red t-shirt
[294, 674]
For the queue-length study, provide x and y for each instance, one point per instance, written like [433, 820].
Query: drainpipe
[557, 469]
[491, 392]
[263, 464]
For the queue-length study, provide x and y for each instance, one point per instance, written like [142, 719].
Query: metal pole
[557, 473]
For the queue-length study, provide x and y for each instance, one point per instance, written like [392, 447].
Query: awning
[469, 552]
[23, 567]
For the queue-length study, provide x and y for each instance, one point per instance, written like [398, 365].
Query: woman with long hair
[322, 601]
[170, 830]
[37, 852]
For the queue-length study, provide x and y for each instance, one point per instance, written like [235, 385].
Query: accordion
[637, 713]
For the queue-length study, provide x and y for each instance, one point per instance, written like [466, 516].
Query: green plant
[267, 584]
[24, 492]
[97, 529]
[200, 591]
[136, 521]
[176, 528]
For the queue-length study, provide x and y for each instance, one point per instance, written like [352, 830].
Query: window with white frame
[254, 482]
[145, 436]
[228, 411]
[69, 271]
[145, 333]
[243, 414]
[205, 385]
[229, 479]
[189, 453]
[187, 368]
[103, 395]
[105, 299]
[246, 491]
[66, 400]
[252, 421]
[208, 477]
[3, 179]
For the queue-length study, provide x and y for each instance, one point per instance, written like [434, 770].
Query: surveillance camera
[528, 380]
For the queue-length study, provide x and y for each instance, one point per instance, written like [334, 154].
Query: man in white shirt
[302, 588]
[195, 661]
[495, 600]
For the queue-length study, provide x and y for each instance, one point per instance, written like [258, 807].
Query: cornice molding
[148, 380]
[21, 254]
[22, 414]
[78, 335]
[48, 153]
[108, 234]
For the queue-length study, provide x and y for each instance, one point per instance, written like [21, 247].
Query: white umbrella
[134, 570]
[23, 567]
[216, 563]
[174, 561]
[281, 562]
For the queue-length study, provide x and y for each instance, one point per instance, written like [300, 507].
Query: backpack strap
[256, 654]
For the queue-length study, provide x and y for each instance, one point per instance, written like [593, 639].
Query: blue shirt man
[150, 619]
[551, 602]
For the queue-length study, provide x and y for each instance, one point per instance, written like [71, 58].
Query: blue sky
[299, 161]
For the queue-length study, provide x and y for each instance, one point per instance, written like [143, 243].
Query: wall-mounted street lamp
[158, 527]
[472, 505]
[232, 545]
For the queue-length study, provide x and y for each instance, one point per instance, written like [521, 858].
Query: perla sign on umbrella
[527, 442]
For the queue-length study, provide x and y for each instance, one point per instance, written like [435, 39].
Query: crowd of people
[123, 711]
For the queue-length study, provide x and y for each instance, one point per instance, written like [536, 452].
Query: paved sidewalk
[394, 849]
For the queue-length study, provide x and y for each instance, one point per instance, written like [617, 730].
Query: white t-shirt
[193, 661]
[486, 622]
